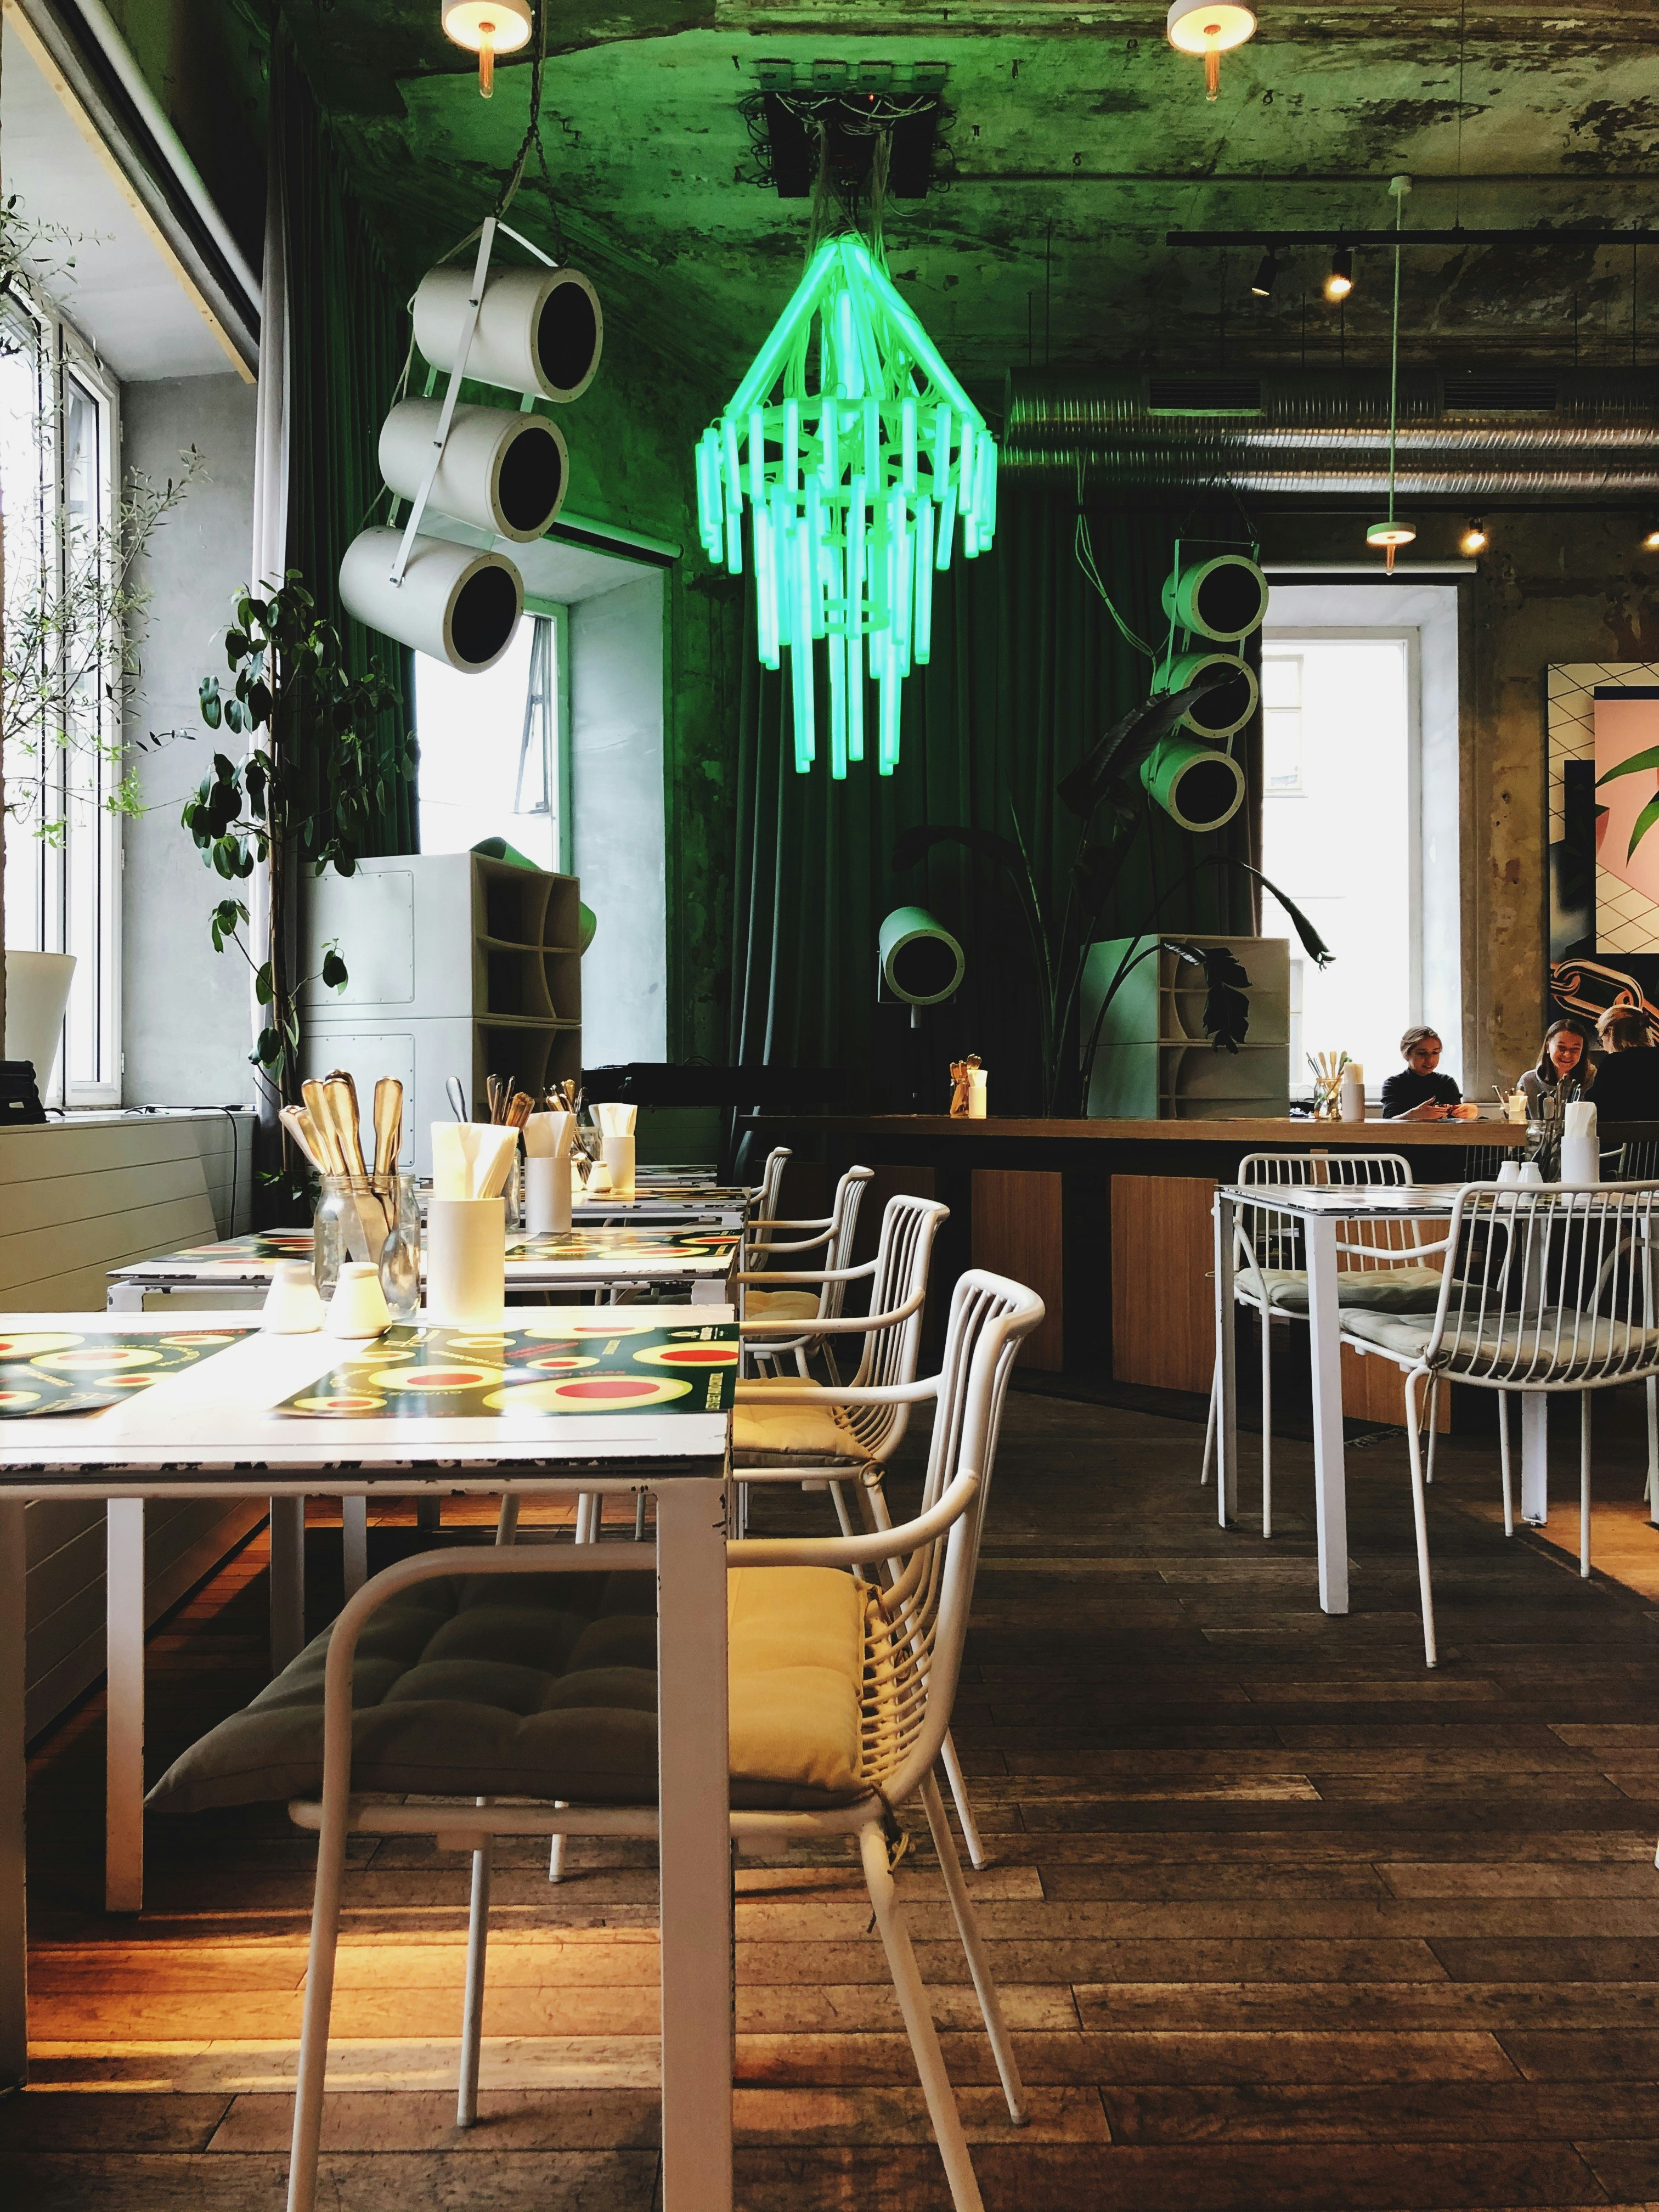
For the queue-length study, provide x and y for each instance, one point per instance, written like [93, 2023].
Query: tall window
[59, 429]
[494, 750]
[1339, 831]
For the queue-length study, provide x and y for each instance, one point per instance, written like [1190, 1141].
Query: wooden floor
[1280, 1919]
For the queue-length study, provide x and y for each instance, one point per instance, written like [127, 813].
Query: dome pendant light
[1394, 532]
[487, 27]
[1210, 28]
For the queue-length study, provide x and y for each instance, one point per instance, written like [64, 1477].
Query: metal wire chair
[1552, 1290]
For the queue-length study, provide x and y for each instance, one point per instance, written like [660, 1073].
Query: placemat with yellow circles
[627, 1242]
[82, 1371]
[606, 1365]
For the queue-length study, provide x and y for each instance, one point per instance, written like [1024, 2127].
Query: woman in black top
[1627, 1081]
[1417, 1093]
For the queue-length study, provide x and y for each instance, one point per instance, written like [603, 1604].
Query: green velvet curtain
[1027, 670]
[346, 344]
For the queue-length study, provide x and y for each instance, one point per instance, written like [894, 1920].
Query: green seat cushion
[1567, 1343]
[1375, 1289]
[545, 1685]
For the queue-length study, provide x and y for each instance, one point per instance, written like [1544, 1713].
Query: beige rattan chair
[1553, 1291]
[905, 1627]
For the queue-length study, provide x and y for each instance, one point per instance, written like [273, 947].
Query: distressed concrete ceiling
[1077, 139]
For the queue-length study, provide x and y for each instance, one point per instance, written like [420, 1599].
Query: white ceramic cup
[467, 1262]
[292, 1307]
[616, 1155]
[547, 1195]
[358, 1307]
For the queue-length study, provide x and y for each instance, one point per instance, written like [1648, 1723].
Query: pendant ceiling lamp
[1393, 530]
[487, 27]
[858, 455]
[1210, 28]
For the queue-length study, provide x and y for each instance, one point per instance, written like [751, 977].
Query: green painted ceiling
[1077, 138]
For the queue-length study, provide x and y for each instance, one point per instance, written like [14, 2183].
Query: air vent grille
[1204, 395]
[1495, 392]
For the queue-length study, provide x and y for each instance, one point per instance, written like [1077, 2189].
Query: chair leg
[555, 1855]
[477, 1937]
[314, 2033]
[841, 1515]
[953, 1775]
[1503, 1460]
[507, 1521]
[639, 1517]
[973, 1945]
[1584, 1483]
[1209, 1432]
[1434, 1424]
[1653, 1448]
[354, 1542]
[919, 2023]
[1266, 1423]
[1421, 1517]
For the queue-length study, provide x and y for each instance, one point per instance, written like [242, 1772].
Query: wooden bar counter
[1109, 1221]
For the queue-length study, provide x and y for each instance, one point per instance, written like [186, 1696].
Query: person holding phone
[1418, 1092]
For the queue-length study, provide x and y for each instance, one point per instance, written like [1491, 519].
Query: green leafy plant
[1104, 795]
[1646, 760]
[305, 791]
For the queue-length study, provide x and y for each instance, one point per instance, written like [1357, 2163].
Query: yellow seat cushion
[783, 1436]
[781, 1305]
[795, 1650]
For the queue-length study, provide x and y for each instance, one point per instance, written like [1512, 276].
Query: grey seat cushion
[1407, 1290]
[537, 1686]
[1537, 1344]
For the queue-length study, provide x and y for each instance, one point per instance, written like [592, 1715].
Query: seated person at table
[1562, 1064]
[1627, 1081]
[1417, 1093]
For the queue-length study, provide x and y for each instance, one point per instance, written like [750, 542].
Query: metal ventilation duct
[1468, 434]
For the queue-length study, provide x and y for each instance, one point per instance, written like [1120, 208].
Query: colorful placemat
[83, 1370]
[264, 1247]
[606, 1365]
[628, 1244]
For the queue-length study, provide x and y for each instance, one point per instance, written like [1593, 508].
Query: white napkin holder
[1581, 1150]
[467, 1262]
[547, 1141]
[976, 1079]
[615, 1122]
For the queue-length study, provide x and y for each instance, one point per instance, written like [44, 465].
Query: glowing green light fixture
[858, 453]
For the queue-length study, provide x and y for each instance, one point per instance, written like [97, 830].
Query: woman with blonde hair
[1627, 1081]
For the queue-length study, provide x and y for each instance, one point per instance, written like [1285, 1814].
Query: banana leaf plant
[1639, 763]
[1104, 793]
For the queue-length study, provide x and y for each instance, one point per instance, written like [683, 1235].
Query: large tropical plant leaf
[1312, 943]
[1644, 822]
[914, 844]
[1633, 766]
[1226, 1008]
[1128, 743]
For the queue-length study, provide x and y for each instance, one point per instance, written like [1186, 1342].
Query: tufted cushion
[1375, 1289]
[781, 1305]
[1405, 1338]
[545, 1686]
[787, 1436]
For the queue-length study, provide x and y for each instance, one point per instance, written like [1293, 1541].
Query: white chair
[834, 1236]
[903, 1660]
[1270, 1278]
[764, 1207]
[1552, 1290]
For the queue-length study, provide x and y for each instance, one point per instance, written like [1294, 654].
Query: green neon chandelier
[856, 478]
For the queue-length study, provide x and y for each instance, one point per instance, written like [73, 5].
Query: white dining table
[1317, 1210]
[213, 1430]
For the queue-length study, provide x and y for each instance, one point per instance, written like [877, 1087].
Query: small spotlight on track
[1476, 538]
[1339, 282]
[1262, 282]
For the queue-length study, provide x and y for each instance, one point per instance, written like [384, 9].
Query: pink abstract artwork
[1625, 728]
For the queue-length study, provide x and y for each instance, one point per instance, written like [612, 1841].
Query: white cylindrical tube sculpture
[1222, 707]
[459, 604]
[539, 330]
[466, 1261]
[501, 471]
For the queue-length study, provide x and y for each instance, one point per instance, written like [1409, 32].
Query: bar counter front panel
[1109, 1221]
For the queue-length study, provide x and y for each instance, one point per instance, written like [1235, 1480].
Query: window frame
[63, 356]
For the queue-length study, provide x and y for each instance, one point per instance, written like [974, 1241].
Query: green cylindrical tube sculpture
[1224, 597]
[1221, 708]
[1198, 785]
[920, 961]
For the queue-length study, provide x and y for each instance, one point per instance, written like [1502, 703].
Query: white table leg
[1325, 1355]
[1534, 1457]
[354, 1542]
[123, 1746]
[1226, 1312]
[696, 1847]
[288, 1580]
[124, 1298]
[14, 1918]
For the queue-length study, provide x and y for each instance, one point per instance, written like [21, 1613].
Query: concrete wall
[184, 1025]
[618, 847]
[1554, 585]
